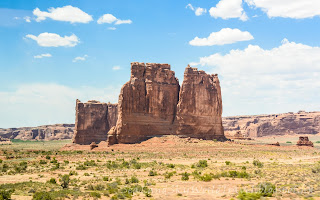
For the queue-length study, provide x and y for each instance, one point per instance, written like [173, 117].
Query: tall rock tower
[199, 111]
[147, 104]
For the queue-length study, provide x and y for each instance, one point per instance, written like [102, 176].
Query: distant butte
[152, 104]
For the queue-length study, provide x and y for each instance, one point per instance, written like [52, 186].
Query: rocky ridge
[46, 132]
[275, 124]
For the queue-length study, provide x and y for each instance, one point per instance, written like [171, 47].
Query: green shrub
[65, 180]
[170, 165]
[95, 195]
[90, 163]
[81, 167]
[317, 141]
[6, 194]
[105, 178]
[134, 179]
[267, 189]
[54, 160]
[168, 175]
[316, 168]
[206, 177]
[71, 173]
[202, 164]
[1, 160]
[42, 196]
[228, 162]
[257, 163]
[185, 176]
[288, 142]
[48, 157]
[152, 173]
[242, 195]
[53, 181]
[42, 162]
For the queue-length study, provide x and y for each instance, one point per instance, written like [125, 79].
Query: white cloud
[79, 58]
[115, 68]
[54, 40]
[297, 9]
[27, 19]
[198, 11]
[256, 80]
[112, 28]
[109, 19]
[224, 36]
[227, 9]
[66, 13]
[119, 21]
[47, 103]
[43, 55]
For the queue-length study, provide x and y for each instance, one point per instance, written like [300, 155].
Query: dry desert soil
[162, 168]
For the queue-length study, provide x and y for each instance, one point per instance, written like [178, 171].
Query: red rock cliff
[147, 104]
[200, 106]
[93, 121]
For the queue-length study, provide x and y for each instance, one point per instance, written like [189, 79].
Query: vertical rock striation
[200, 106]
[147, 104]
[93, 121]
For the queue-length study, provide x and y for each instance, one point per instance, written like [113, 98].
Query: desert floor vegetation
[160, 168]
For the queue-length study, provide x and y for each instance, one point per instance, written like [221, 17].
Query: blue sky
[266, 52]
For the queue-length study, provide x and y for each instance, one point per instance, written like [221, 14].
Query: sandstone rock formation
[151, 104]
[46, 132]
[93, 121]
[276, 124]
[147, 104]
[200, 106]
[304, 141]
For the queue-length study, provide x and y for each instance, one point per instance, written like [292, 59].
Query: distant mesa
[152, 103]
[252, 126]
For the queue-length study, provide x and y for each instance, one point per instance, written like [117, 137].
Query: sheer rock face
[147, 104]
[200, 106]
[93, 121]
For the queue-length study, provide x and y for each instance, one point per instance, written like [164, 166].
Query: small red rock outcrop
[304, 141]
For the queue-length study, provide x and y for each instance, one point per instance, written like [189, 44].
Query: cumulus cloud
[112, 28]
[79, 58]
[297, 9]
[54, 40]
[256, 80]
[67, 13]
[115, 68]
[43, 55]
[224, 36]
[197, 11]
[227, 9]
[47, 103]
[109, 19]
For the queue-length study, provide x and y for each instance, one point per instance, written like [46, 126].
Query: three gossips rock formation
[152, 104]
